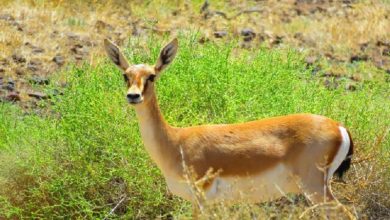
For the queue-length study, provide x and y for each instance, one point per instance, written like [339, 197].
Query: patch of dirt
[40, 39]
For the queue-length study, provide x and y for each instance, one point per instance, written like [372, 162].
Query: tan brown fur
[305, 144]
[237, 149]
[247, 148]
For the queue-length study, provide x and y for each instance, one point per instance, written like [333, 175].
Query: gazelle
[256, 161]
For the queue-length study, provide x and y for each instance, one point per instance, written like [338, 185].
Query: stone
[386, 52]
[36, 50]
[203, 40]
[350, 87]
[103, 26]
[78, 57]
[381, 43]
[55, 92]
[72, 36]
[358, 57]
[331, 84]
[6, 17]
[39, 80]
[18, 58]
[34, 65]
[59, 60]
[38, 95]
[77, 48]
[248, 34]
[310, 60]
[13, 97]
[277, 40]
[220, 34]
[10, 85]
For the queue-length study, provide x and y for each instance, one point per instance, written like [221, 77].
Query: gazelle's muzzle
[134, 98]
[134, 95]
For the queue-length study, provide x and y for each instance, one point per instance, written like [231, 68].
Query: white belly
[268, 185]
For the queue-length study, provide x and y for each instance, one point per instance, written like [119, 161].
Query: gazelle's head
[140, 78]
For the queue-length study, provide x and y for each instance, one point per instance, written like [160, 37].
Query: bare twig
[205, 6]
[113, 209]
[339, 205]
[309, 209]
[222, 14]
[208, 13]
[248, 11]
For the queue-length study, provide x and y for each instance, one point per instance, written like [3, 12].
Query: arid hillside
[340, 39]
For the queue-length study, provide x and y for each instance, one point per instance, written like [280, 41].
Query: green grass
[84, 154]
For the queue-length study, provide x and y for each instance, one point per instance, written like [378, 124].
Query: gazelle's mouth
[133, 102]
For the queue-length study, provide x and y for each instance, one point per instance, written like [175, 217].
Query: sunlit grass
[85, 155]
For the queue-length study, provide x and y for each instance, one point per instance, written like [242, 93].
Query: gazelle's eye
[151, 78]
[125, 77]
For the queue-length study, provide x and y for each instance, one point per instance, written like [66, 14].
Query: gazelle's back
[253, 147]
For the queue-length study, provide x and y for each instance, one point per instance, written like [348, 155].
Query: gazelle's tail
[346, 164]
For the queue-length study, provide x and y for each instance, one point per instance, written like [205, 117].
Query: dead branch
[248, 11]
[205, 6]
[113, 209]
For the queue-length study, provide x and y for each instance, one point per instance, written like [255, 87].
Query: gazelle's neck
[150, 117]
[156, 133]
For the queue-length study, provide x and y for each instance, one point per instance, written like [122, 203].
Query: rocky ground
[347, 39]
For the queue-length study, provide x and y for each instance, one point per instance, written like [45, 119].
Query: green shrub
[85, 155]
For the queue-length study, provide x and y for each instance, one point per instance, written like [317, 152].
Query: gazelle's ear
[167, 54]
[115, 55]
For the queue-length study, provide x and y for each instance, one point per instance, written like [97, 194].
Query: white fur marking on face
[341, 153]
[134, 90]
[139, 66]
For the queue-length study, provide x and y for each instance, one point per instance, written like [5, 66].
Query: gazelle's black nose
[133, 96]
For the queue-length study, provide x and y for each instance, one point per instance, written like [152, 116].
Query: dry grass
[329, 29]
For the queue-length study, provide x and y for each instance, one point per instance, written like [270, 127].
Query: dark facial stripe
[151, 78]
[145, 87]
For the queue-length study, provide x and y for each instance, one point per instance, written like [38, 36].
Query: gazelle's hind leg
[316, 187]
